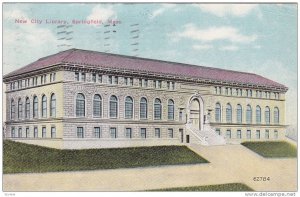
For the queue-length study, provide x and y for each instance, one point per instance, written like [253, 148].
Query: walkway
[230, 163]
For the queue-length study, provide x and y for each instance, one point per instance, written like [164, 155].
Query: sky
[256, 38]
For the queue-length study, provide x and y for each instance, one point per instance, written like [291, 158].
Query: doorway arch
[196, 112]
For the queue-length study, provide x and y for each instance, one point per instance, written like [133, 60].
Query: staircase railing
[198, 134]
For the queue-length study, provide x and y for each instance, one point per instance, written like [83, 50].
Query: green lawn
[272, 149]
[20, 157]
[221, 187]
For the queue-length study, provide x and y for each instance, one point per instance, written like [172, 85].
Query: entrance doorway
[195, 114]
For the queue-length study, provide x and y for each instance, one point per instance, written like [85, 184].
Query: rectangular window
[110, 79]
[80, 133]
[100, 78]
[113, 132]
[267, 134]
[53, 76]
[141, 82]
[13, 134]
[50, 77]
[228, 134]
[20, 133]
[53, 132]
[170, 133]
[143, 133]
[276, 134]
[42, 79]
[216, 90]
[248, 134]
[145, 83]
[218, 131]
[157, 132]
[94, 77]
[35, 132]
[128, 133]
[258, 134]
[76, 76]
[43, 132]
[27, 132]
[97, 132]
[180, 115]
[226, 91]
[239, 134]
[45, 78]
[116, 80]
[157, 84]
[82, 76]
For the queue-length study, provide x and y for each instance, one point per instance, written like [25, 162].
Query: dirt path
[230, 163]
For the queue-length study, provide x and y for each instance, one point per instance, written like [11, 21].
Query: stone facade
[66, 87]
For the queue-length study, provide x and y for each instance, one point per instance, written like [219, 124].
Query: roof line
[165, 61]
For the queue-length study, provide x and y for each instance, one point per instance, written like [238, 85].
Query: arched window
[113, 107]
[228, 113]
[157, 109]
[20, 108]
[143, 108]
[44, 106]
[27, 108]
[80, 105]
[97, 106]
[35, 107]
[128, 107]
[249, 114]
[170, 109]
[12, 109]
[239, 113]
[218, 112]
[258, 114]
[276, 115]
[53, 105]
[267, 115]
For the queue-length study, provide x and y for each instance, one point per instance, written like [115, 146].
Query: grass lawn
[20, 157]
[272, 149]
[221, 187]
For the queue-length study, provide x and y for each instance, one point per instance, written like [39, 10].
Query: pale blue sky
[259, 38]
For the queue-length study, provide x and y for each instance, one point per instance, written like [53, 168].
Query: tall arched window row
[35, 107]
[258, 115]
[218, 112]
[53, 105]
[128, 107]
[12, 109]
[267, 115]
[97, 105]
[44, 106]
[80, 105]
[143, 108]
[157, 109]
[228, 113]
[27, 108]
[239, 113]
[113, 107]
[249, 114]
[20, 108]
[170, 109]
[276, 115]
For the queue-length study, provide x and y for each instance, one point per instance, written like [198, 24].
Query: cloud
[202, 47]
[214, 34]
[229, 48]
[25, 36]
[222, 10]
[100, 12]
[161, 10]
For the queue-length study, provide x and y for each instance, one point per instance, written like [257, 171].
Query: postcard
[150, 97]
